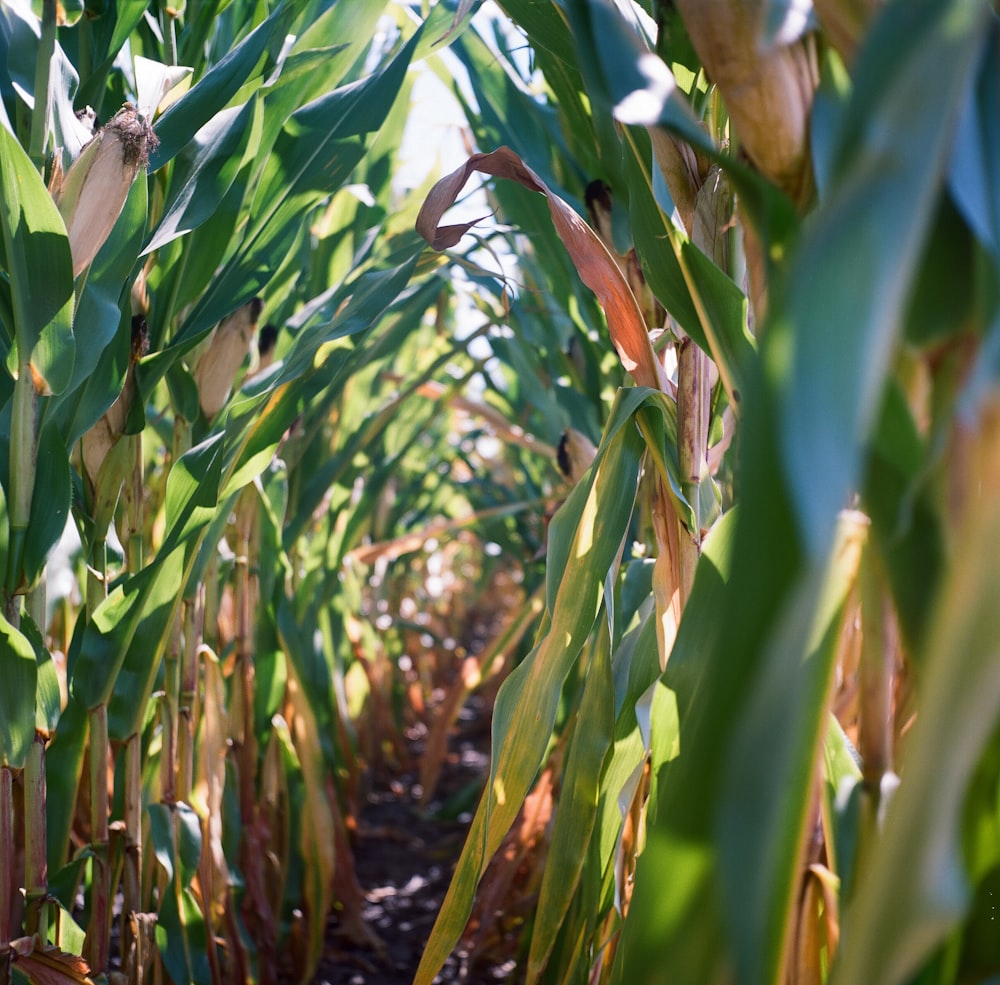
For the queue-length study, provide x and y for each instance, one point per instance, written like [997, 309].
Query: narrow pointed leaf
[17, 696]
[34, 251]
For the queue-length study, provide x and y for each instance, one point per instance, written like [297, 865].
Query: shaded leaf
[17, 697]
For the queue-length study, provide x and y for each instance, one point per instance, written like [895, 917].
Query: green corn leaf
[64, 765]
[976, 156]
[17, 697]
[204, 171]
[315, 153]
[577, 810]
[586, 537]
[50, 502]
[906, 527]
[689, 918]
[104, 307]
[181, 934]
[916, 888]
[212, 93]
[769, 775]
[48, 699]
[888, 168]
[34, 251]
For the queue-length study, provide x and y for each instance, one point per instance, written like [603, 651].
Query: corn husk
[218, 361]
[575, 454]
[93, 191]
[768, 89]
[103, 471]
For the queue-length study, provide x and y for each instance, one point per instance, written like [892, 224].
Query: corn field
[676, 445]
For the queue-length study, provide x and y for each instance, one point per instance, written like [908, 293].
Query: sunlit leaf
[35, 254]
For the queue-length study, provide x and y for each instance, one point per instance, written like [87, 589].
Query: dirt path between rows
[404, 857]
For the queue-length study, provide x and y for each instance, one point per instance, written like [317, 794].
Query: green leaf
[577, 812]
[50, 502]
[314, 154]
[976, 155]
[688, 922]
[585, 539]
[203, 172]
[888, 169]
[180, 931]
[906, 527]
[19, 672]
[785, 21]
[35, 253]
[48, 698]
[213, 91]
[770, 771]
[916, 889]
[64, 765]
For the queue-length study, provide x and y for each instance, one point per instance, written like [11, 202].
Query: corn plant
[762, 705]
[222, 367]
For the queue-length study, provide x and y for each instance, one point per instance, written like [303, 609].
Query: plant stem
[8, 856]
[35, 848]
[131, 877]
[131, 882]
[170, 706]
[188, 712]
[133, 496]
[35, 804]
[172, 664]
[693, 392]
[879, 646]
[99, 928]
[43, 96]
[23, 458]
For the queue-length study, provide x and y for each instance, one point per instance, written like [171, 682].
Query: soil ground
[404, 857]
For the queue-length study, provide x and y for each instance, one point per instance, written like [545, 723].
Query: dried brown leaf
[596, 267]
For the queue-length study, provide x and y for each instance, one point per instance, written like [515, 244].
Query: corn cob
[93, 191]
[219, 359]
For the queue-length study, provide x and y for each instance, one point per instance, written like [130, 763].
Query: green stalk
[168, 27]
[132, 874]
[169, 715]
[98, 944]
[43, 97]
[97, 574]
[713, 209]
[23, 459]
[693, 392]
[172, 664]
[36, 875]
[133, 494]
[241, 719]
[8, 856]
[35, 848]
[194, 614]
